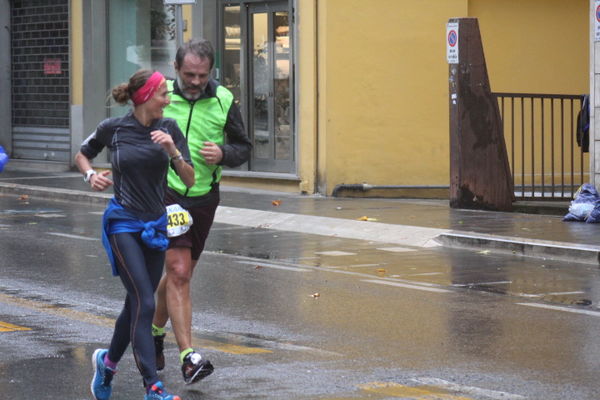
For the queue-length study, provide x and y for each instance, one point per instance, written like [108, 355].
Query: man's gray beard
[185, 94]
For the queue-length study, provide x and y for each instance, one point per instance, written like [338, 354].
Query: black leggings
[140, 269]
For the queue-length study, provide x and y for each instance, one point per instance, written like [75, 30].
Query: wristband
[177, 155]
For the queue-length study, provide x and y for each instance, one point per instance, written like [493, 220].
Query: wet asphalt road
[286, 315]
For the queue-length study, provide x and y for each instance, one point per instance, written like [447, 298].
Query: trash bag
[594, 216]
[3, 158]
[585, 202]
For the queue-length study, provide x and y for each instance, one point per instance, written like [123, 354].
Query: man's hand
[212, 153]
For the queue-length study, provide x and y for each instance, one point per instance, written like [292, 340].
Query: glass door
[270, 87]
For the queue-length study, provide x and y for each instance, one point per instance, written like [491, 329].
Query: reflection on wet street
[292, 315]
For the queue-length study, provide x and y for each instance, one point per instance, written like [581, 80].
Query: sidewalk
[408, 222]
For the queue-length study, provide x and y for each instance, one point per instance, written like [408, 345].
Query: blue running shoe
[158, 392]
[101, 383]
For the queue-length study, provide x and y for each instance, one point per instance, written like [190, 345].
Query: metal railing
[540, 136]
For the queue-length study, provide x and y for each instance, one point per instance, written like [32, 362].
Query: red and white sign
[452, 42]
[52, 66]
[596, 12]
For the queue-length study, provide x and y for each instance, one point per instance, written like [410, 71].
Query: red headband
[144, 93]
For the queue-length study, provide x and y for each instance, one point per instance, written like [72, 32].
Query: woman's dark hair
[123, 92]
[201, 48]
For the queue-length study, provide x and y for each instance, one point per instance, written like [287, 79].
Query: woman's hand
[99, 181]
[165, 140]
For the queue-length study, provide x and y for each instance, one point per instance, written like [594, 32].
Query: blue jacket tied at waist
[118, 220]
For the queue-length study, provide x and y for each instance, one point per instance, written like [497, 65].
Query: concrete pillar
[594, 96]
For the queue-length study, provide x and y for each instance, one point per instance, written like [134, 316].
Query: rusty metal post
[480, 175]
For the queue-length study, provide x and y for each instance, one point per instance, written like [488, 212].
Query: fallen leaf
[381, 270]
[24, 197]
[276, 203]
[258, 267]
[365, 218]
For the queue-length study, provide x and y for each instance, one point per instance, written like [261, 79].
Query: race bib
[179, 220]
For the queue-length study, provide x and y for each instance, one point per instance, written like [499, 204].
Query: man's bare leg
[174, 300]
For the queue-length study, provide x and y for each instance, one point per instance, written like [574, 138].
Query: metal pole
[179, 24]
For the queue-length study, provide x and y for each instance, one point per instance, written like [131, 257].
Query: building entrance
[257, 68]
[40, 80]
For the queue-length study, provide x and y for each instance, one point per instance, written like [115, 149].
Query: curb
[68, 195]
[573, 252]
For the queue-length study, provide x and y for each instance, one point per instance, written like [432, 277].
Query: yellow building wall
[535, 46]
[382, 79]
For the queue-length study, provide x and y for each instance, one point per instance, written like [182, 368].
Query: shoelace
[108, 375]
[156, 389]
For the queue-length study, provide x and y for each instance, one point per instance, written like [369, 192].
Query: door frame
[247, 7]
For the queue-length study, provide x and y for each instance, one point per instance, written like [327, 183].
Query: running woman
[143, 144]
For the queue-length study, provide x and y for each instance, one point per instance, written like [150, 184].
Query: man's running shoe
[159, 346]
[158, 392]
[101, 383]
[195, 368]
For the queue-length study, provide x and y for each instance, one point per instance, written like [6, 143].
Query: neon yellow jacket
[207, 119]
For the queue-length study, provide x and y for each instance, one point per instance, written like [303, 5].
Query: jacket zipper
[187, 130]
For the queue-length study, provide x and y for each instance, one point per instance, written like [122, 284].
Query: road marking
[560, 308]
[427, 274]
[275, 266]
[71, 236]
[563, 293]
[481, 283]
[410, 392]
[395, 249]
[50, 215]
[471, 390]
[392, 281]
[226, 347]
[407, 286]
[334, 253]
[98, 320]
[6, 327]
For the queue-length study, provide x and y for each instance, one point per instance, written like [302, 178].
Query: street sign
[180, 1]
[452, 42]
[597, 21]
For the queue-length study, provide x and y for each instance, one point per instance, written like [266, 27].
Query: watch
[88, 174]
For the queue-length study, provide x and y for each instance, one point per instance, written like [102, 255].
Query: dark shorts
[203, 216]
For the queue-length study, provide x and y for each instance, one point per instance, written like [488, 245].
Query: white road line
[560, 308]
[275, 266]
[531, 295]
[471, 390]
[406, 286]
[563, 293]
[360, 265]
[426, 274]
[71, 236]
[481, 283]
[334, 253]
[395, 249]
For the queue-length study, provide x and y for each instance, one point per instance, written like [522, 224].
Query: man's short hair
[201, 48]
